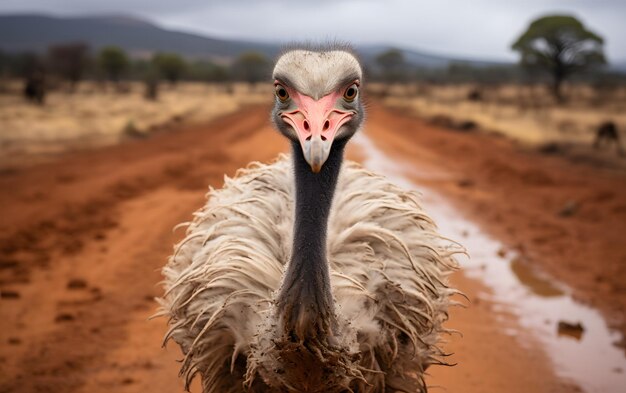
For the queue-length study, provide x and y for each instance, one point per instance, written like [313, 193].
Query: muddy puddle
[574, 336]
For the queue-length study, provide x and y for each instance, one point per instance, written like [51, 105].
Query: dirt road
[82, 240]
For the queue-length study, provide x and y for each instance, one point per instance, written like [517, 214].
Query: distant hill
[421, 59]
[35, 33]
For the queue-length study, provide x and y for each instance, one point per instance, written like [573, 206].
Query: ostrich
[306, 275]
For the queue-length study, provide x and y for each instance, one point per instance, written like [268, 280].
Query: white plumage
[388, 272]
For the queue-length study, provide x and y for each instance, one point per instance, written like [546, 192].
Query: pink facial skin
[316, 123]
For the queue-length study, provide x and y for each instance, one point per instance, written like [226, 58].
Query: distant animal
[474, 95]
[35, 88]
[607, 134]
[309, 274]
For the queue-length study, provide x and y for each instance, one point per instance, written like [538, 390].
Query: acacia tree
[252, 67]
[392, 64]
[560, 45]
[113, 61]
[170, 65]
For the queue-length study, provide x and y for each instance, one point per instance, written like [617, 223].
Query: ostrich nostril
[323, 137]
[326, 125]
[306, 125]
[308, 138]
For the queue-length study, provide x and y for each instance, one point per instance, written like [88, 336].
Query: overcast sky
[467, 28]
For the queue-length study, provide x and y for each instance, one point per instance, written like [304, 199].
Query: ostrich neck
[305, 303]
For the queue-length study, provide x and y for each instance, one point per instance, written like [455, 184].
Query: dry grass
[93, 117]
[527, 114]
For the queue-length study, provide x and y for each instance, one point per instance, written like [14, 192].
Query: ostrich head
[317, 100]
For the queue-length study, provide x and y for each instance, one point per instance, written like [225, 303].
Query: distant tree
[170, 65]
[32, 70]
[151, 82]
[5, 64]
[392, 64]
[252, 67]
[207, 71]
[69, 61]
[218, 74]
[137, 68]
[458, 72]
[113, 61]
[560, 45]
[24, 64]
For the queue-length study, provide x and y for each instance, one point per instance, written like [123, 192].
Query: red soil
[82, 240]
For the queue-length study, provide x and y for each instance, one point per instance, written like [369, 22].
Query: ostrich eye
[281, 93]
[351, 92]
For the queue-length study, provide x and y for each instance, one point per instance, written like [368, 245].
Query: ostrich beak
[316, 122]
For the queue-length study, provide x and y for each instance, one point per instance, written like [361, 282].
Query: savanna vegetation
[561, 91]
[562, 95]
[65, 66]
